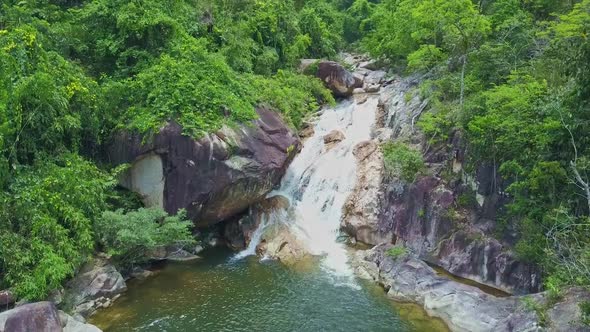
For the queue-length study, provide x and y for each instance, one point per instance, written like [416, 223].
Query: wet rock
[238, 232]
[280, 243]
[373, 88]
[361, 99]
[72, 324]
[33, 317]
[6, 298]
[424, 214]
[369, 64]
[198, 249]
[180, 255]
[339, 80]
[332, 138]
[462, 307]
[359, 79]
[357, 91]
[96, 285]
[361, 210]
[485, 260]
[213, 178]
[141, 274]
[375, 77]
[306, 132]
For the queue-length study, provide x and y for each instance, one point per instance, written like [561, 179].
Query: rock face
[361, 210]
[337, 78]
[97, 285]
[213, 178]
[463, 307]
[239, 231]
[41, 317]
[430, 215]
[271, 218]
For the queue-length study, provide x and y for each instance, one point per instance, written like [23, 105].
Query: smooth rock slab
[97, 285]
[33, 317]
[463, 307]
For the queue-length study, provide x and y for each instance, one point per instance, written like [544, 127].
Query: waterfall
[319, 181]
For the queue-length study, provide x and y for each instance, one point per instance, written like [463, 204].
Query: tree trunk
[464, 59]
[584, 185]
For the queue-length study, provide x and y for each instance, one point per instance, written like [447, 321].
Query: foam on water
[318, 183]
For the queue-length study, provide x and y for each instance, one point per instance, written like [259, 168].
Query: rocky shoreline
[466, 308]
[235, 168]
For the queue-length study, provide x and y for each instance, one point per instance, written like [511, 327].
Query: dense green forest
[513, 75]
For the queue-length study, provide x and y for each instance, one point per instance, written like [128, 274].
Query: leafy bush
[402, 161]
[293, 95]
[396, 252]
[46, 222]
[585, 308]
[129, 237]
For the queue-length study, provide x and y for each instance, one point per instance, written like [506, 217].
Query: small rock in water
[373, 88]
[214, 242]
[334, 136]
[358, 91]
[181, 255]
[141, 274]
[361, 99]
[198, 249]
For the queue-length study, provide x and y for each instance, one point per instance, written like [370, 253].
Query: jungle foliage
[73, 72]
[513, 75]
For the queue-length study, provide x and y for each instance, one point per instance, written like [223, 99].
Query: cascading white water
[319, 180]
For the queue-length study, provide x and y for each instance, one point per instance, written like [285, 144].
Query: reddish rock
[220, 175]
[34, 317]
[337, 78]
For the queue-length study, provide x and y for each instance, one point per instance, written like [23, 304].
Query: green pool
[217, 294]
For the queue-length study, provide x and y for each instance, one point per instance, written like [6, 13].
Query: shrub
[129, 237]
[397, 252]
[402, 161]
[585, 308]
[46, 222]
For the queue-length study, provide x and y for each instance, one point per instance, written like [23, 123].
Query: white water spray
[319, 181]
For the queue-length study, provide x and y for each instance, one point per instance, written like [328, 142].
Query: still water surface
[218, 294]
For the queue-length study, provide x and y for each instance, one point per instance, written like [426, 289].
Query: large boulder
[71, 324]
[362, 207]
[464, 307]
[95, 286]
[337, 78]
[213, 178]
[33, 317]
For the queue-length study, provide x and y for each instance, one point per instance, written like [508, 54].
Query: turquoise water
[215, 294]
